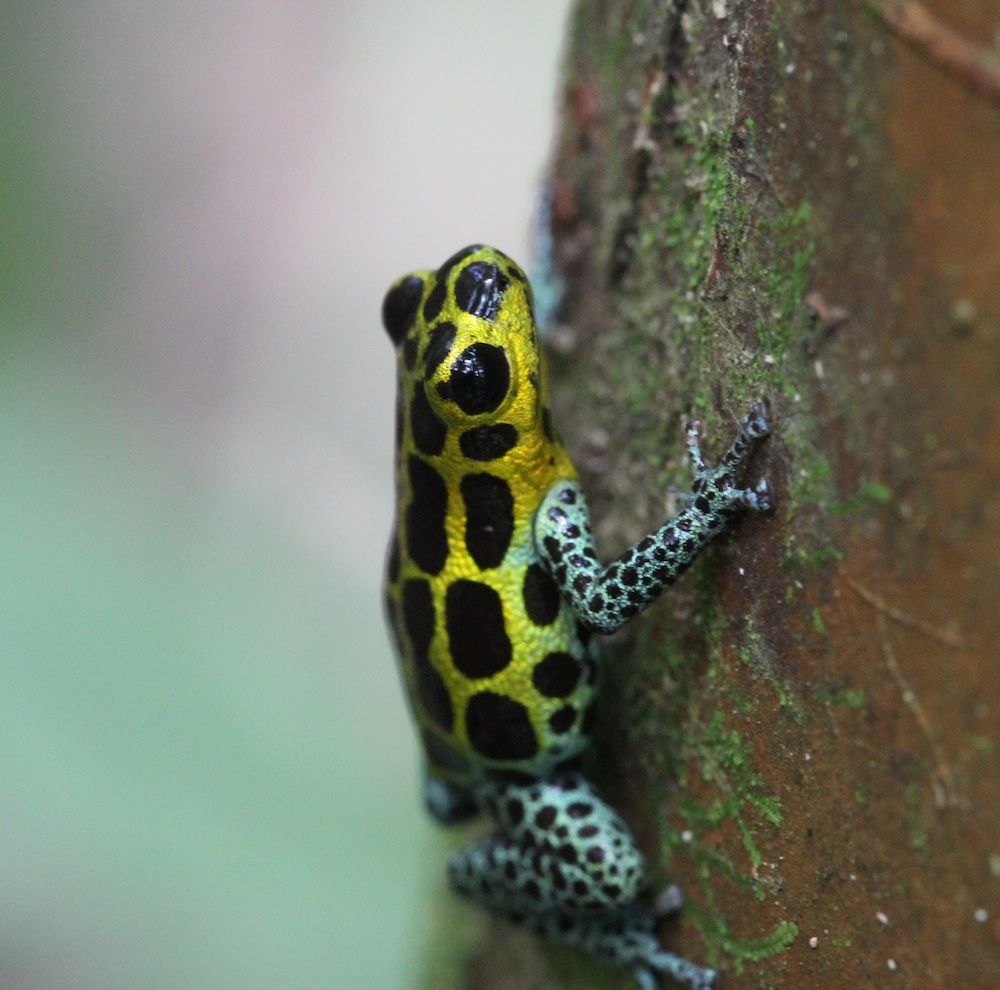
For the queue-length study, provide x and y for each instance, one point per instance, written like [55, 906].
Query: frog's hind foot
[756, 423]
[564, 864]
[650, 960]
[677, 968]
[629, 941]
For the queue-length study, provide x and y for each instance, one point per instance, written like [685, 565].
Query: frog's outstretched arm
[606, 597]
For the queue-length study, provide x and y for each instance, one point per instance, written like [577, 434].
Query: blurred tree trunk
[749, 198]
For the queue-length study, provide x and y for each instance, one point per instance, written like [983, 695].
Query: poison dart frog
[494, 592]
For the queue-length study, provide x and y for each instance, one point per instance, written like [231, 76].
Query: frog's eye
[480, 377]
[479, 289]
[400, 306]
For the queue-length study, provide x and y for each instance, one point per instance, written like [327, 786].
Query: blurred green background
[207, 775]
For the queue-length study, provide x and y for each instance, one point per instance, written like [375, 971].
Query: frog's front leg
[606, 597]
[564, 864]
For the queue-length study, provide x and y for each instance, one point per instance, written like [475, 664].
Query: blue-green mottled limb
[605, 598]
[565, 865]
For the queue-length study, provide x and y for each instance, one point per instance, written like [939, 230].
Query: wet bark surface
[781, 199]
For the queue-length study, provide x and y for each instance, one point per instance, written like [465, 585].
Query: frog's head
[466, 342]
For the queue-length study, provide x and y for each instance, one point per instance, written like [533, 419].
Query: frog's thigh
[558, 847]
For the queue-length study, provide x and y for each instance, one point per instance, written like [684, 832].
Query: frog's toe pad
[760, 498]
[669, 901]
[757, 423]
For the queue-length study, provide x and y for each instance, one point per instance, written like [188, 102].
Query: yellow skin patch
[528, 469]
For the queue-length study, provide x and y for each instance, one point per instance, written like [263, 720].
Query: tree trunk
[781, 199]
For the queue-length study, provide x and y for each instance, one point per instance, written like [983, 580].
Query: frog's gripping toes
[493, 591]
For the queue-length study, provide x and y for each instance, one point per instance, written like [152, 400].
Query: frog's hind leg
[564, 864]
[557, 847]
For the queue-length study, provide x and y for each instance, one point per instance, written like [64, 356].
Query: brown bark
[781, 198]
[976, 67]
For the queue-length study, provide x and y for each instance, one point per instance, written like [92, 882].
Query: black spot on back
[410, 351]
[400, 306]
[499, 727]
[479, 289]
[541, 595]
[418, 614]
[399, 419]
[395, 630]
[434, 302]
[418, 617]
[557, 675]
[480, 646]
[426, 539]
[438, 345]
[562, 720]
[487, 443]
[480, 377]
[489, 518]
[428, 429]
[392, 563]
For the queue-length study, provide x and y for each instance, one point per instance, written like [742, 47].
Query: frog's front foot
[756, 424]
[715, 488]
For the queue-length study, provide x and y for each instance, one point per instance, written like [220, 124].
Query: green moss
[784, 286]
[741, 951]
[982, 745]
[847, 697]
[721, 758]
[754, 654]
[868, 492]
[812, 558]
[811, 483]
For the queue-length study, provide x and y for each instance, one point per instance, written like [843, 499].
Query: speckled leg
[565, 865]
[606, 597]
[557, 846]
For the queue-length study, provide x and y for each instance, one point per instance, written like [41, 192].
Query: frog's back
[498, 670]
